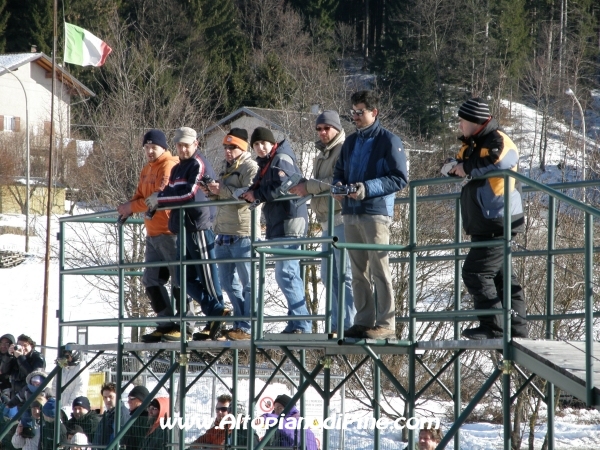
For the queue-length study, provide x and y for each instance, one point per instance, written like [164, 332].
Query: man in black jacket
[486, 148]
[83, 416]
[7, 361]
[105, 432]
[202, 282]
[28, 360]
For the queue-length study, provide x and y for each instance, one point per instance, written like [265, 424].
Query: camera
[206, 179]
[343, 189]
[449, 164]
[17, 348]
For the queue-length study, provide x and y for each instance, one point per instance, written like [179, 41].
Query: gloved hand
[360, 191]
[152, 201]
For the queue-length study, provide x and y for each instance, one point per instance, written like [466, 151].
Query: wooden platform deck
[560, 362]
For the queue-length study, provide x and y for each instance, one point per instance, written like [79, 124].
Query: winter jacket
[78, 388]
[482, 201]
[156, 438]
[235, 219]
[287, 435]
[322, 179]
[33, 443]
[47, 435]
[375, 157]
[89, 423]
[284, 218]
[8, 364]
[135, 435]
[154, 178]
[25, 365]
[105, 432]
[182, 189]
[217, 436]
[21, 397]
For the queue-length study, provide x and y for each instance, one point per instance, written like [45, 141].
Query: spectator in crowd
[183, 188]
[72, 430]
[288, 434]
[331, 137]
[157, 438]
[105, 432]
[27, 434]
[372, 159]
[285, 219]
[160, 242]
[79, 386]
[28, 360]
[217, 436]
[49, 414]
[80, 441]
[32, 382]
[233, 223]
[429, 438]
[486, 148]
[83, 416]
[7, 361]
[132, 440]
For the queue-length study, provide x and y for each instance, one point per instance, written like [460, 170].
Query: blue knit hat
[49, 409]
[155, 137]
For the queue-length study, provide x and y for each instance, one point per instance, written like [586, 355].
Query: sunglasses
[357, 112]
[319, 129]
[222, 409]
[229, 147]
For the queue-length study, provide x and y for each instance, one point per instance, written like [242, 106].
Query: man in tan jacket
[331, 137]
[233, 227]
[160, 242]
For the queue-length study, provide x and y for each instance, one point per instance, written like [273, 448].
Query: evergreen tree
[4, 15]
[29, 23]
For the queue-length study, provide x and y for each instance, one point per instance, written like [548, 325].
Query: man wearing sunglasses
[373, 162]
[331, 137]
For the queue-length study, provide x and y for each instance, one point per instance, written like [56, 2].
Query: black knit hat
[239, 133]
[283, 400]
[83, 402]
[262, 134]
[155, 137]
[237, 137]
[475, 110]
[139, 392]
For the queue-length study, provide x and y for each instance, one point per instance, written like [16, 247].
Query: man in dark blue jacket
[202, 282]
[373, 161]
[285, 219]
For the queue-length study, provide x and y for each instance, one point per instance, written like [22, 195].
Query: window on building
[10, 123]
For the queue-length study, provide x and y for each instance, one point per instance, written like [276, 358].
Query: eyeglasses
[222, 409]
[319, 129]
[358, 112]
[229, 147]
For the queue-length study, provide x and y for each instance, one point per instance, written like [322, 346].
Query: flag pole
[49, 189]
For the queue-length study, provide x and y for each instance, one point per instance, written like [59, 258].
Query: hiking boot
[202, 335]
[356, 332]
[215, 326]
[237, 334]
[480, 332]
[174, 336]
[155, 336]
[379, 332]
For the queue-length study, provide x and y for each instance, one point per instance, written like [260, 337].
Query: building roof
[13, 61]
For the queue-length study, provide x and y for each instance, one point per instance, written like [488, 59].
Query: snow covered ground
[22, 289]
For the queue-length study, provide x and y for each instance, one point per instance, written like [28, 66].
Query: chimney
[33, 48]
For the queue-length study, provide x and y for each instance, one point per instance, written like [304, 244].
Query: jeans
[202, 282]
[235, 279]
[287, 275]
[349, 309]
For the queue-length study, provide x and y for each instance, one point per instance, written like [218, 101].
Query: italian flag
[83, 48]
